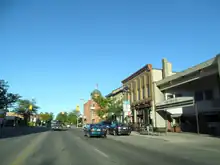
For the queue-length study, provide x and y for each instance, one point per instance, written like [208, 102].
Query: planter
[177, 129]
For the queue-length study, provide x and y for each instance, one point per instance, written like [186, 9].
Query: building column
[135, 116]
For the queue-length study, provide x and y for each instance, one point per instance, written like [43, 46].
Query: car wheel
[114, 133]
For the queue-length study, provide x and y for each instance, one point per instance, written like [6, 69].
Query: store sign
[126, 108]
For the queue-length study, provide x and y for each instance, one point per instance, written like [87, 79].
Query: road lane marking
[100, 152]
[27, 151]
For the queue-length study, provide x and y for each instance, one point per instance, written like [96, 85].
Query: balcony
[174, 102]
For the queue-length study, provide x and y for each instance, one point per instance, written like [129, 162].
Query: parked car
[96, 130]
[106, 125]
[119, 129]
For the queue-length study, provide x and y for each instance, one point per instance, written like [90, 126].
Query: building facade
[117, 96]
[190, 99]
[141, 94]
[91, 108]
[90, 116]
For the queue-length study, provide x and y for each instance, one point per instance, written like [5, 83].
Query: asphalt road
[72, 148]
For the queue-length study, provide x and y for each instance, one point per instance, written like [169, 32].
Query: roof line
[145, 68]
[188, 71]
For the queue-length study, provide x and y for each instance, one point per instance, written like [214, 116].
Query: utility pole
[166, 121]
[197, 118]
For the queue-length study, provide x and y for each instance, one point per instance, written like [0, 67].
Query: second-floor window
[143, 93]
[208, 94]
[148, 90]
[139, 94]
[134, 96]
[198, 96]
[178, 95]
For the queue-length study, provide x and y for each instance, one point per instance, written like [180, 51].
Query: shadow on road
[8, 132]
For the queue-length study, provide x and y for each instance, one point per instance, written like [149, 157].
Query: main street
[72, 148]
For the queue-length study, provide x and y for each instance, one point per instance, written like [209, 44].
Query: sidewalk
[7, 132]
[181, 137]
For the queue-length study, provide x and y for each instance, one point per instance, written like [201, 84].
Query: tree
[62, 117]
[108, 107]
[22, 108]
[115, 107]
[103, 104]
[72, 116]
[46, 117]
[6, 99]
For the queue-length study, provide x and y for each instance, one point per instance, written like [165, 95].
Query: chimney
[167, 68]
[164, 66]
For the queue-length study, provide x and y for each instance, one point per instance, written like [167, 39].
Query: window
[139, 93]
[143, 93]
[169, 96]
[208, 94]
[134, 97]
[148, 90]
[142, 81]
[198, 96]
[178, 95]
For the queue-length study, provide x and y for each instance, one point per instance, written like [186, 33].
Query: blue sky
[56, 51]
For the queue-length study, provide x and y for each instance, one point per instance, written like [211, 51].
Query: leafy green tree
[108, 107]
[103, 104]
[7, 99]
[115, 107]
[72, 116]
[62, 116]
[46, 116]
[22, 108]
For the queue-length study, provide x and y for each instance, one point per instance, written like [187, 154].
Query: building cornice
[147, 67]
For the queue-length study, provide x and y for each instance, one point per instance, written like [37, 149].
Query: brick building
[90, 109]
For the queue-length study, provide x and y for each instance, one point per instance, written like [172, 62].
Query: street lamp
[84, 101]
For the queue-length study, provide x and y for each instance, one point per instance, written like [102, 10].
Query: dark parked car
[106, 125]
[119, 129]
[95, 130]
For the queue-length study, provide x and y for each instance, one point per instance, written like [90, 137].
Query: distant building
[118, 96]
[90, 109]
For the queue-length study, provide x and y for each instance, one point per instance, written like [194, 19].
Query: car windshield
[122, 125]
